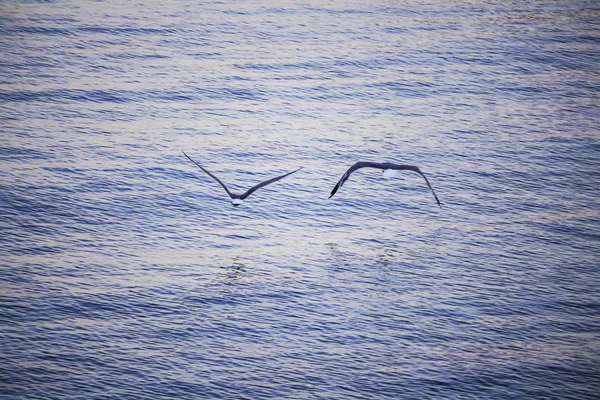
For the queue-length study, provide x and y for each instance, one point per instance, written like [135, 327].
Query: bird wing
[418, 171]
[358, 165]
[211, 175]
[265, 183]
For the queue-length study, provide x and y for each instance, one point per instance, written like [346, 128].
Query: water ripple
[127, 273]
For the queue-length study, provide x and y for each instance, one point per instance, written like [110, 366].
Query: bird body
[389, 171]
[238, 199]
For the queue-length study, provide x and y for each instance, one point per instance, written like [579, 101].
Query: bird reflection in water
[235, 271]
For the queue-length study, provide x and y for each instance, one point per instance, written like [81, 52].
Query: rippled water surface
[127, 274]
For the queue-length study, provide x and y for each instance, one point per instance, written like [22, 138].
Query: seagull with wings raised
[390, 170]
[237, 199]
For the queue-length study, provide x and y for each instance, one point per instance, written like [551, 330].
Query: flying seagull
[389, 171]
[237, 199]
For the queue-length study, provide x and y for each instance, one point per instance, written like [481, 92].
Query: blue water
[127, 274]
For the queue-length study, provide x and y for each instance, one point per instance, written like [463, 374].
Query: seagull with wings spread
[237, 199]
[390, 170]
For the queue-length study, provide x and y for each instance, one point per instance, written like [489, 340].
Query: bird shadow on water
[361, 268]
[219, 285]
[340, 259]
[234, 272]
[374, 258]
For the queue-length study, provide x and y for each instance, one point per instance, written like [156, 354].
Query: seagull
[237, 199]
[390, 170]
